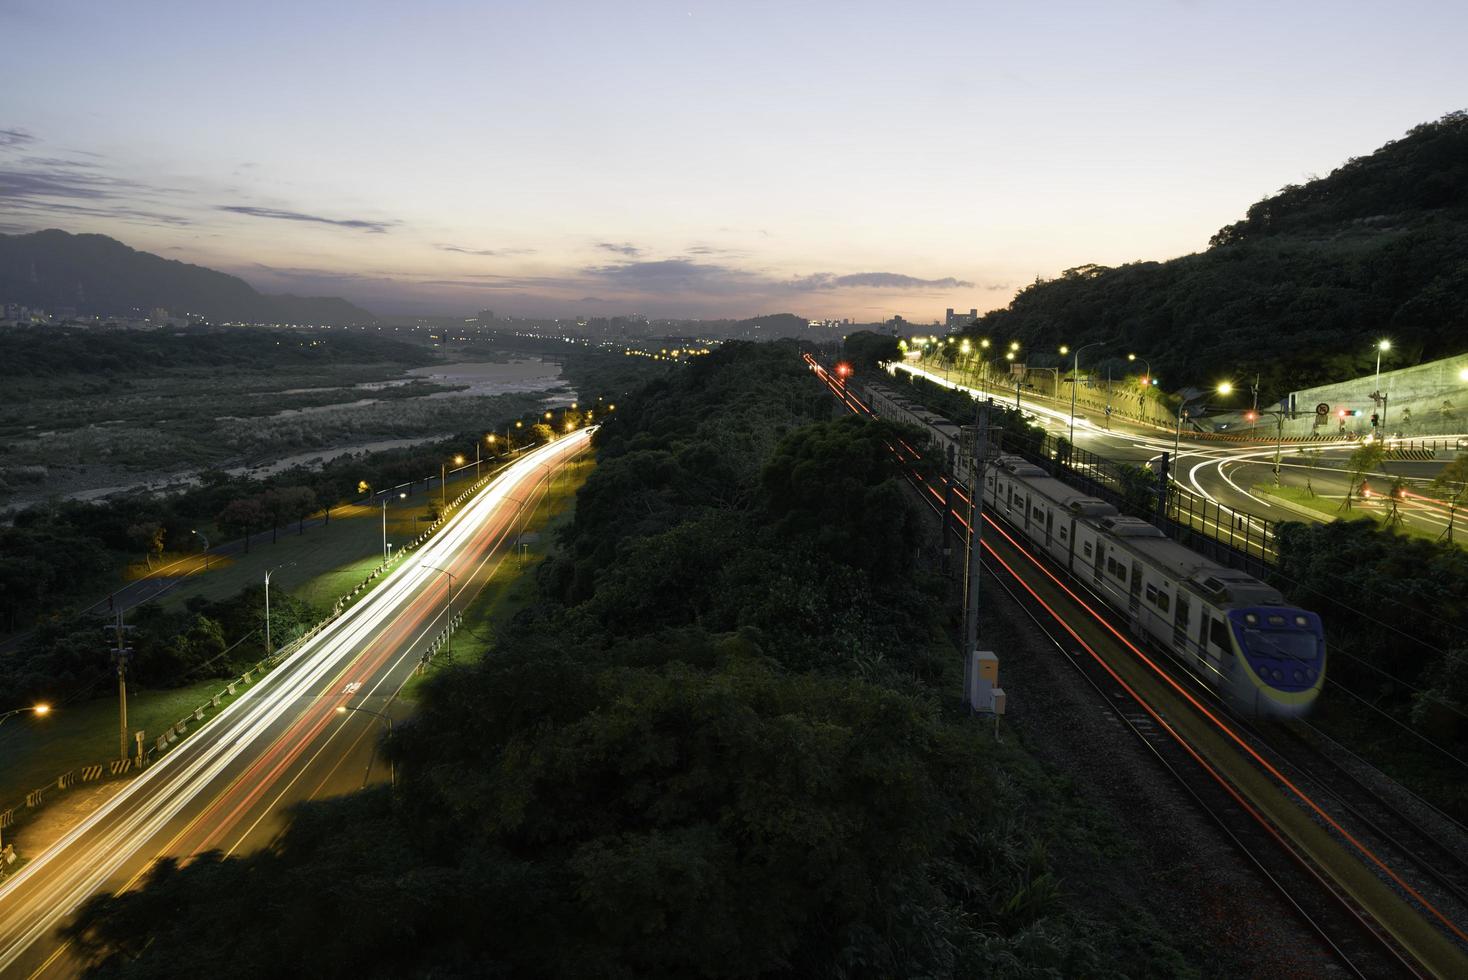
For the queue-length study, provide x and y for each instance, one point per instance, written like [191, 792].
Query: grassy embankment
[510, 585]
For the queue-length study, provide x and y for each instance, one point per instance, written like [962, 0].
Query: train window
[1088, 549]
[1218, 634]
[1063, 535]
[1151, 592]
[1164, 601]
[1039, 513]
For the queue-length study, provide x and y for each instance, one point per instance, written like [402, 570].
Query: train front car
[1282, 652]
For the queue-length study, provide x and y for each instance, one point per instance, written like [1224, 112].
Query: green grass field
[1329, 509]
[37, 750]
[325, 561]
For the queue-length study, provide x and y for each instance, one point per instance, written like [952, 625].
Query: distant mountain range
[97, 275]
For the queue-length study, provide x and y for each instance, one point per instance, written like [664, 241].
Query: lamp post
[443, 481]
[401, 496]
[267, 603]
[1054, 377]
[1224, 388]
[1009, 356]
[39, 710]
[1381, 347]
[204, 539]
[1177, 434]
[392, 766]
[1278, 435]
[1075, 379]
[448, 603]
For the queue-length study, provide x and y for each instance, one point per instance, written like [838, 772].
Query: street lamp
[448, 602]
[39, 710]
[443, 479]
[392, 766]
[267, 603]
[1223, 388]
[401, 496]
[1075, 376]
[1377, 396]
[1009, 356]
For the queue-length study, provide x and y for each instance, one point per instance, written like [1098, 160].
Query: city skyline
[691, 160]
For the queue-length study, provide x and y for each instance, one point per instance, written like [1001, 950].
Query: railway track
[1372, 920]
[1344, 931]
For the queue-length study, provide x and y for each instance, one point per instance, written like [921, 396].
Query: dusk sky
[840, 159]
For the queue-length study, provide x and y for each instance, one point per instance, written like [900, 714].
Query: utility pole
[975, 539]
[121, 654]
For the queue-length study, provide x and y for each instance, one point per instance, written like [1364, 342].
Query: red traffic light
[843, 370]
[1250, 416]
[1341, 413]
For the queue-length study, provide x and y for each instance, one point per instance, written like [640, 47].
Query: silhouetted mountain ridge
[98, 275]
[1298, 292]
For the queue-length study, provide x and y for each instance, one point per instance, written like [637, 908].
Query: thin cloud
[15, 137]
[360, 224]
[880, 280]
[732, 253]
[689, 276]
[621, 248]
[485, 251]
[52, 180]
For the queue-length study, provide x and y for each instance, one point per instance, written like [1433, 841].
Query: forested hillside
[1299, 290]
[722, 743]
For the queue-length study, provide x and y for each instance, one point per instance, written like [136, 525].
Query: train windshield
[1286, 644]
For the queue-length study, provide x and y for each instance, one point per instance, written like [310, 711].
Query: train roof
[1058, 492]
[1218, 584]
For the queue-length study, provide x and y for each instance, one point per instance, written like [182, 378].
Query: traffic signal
[1375, 418]
[1341, 414]
[1251, 416]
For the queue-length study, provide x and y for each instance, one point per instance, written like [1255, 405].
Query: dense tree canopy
[719, 745]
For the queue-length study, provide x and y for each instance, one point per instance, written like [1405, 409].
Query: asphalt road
[1228, 472]
[228, 785]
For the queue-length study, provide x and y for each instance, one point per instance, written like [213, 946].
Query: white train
[1234, 630]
